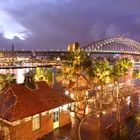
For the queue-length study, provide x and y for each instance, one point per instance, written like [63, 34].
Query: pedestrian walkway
[91, 129]
[64, 133]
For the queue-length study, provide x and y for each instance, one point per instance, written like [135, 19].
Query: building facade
[28, 114]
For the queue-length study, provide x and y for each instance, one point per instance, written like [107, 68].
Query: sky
[52, 24]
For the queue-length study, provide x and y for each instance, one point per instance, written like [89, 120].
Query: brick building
[28, 114]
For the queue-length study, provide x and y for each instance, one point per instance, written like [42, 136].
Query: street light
[72, 95]
[66, 92]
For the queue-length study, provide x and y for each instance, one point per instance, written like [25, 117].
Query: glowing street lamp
[72, 95]
[87, 93]
[66, 92]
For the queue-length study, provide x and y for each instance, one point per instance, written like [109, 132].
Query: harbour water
[19, 73]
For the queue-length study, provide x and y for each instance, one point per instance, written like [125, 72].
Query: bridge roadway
[112, 52]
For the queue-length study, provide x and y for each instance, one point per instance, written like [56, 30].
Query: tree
[67, 72]
[5, 80]
[119, 70]
[81, 111]
[124, 64]
[4, 128]
[136, 74]
[78, 62]
[48, 75]
[39, 74]
[100, 73]
[43, 75]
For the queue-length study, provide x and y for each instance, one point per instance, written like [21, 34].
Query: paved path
[64, 133]
[90, 130]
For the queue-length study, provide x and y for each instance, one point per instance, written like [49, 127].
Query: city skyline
[52, 24]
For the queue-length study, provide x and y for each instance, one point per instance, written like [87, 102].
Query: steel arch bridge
[115, 45]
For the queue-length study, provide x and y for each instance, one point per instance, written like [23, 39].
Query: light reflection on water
[18, 73]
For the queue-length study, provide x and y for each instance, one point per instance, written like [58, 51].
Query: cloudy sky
[52, 24]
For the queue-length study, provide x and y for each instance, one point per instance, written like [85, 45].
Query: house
[28, 114]
[80, 88]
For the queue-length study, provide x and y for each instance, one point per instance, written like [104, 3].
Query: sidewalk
[90, 131]
[63, 133]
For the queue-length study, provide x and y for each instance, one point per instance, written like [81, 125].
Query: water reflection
[18, 73]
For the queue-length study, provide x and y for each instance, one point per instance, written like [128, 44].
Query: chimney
[29, 80]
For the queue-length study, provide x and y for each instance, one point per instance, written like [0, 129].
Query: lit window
[56, 116]
[65, 107]
[35, 122]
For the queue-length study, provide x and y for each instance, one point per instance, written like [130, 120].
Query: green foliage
[100, 71]
[67, 69]
[86, 61]
[39, 74]
[77, 61]
[5, 80]
[82, 59]
[120, 68]
[58, 72]
[116, 72]
[136, 73]
[70, 56]
[43, 75]
[48, 75]
[124, 64]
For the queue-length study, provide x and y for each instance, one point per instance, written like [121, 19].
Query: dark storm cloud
[55, 23]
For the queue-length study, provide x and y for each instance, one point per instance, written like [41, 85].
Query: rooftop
[19, 101]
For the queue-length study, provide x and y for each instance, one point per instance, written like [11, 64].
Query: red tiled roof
[20, 101]
[59, 87]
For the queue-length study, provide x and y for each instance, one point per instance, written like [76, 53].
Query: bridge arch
[120, 45]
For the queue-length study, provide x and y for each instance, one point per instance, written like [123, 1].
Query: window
[65, 107]
[35, 122]
[56, 119]
[56, 116]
